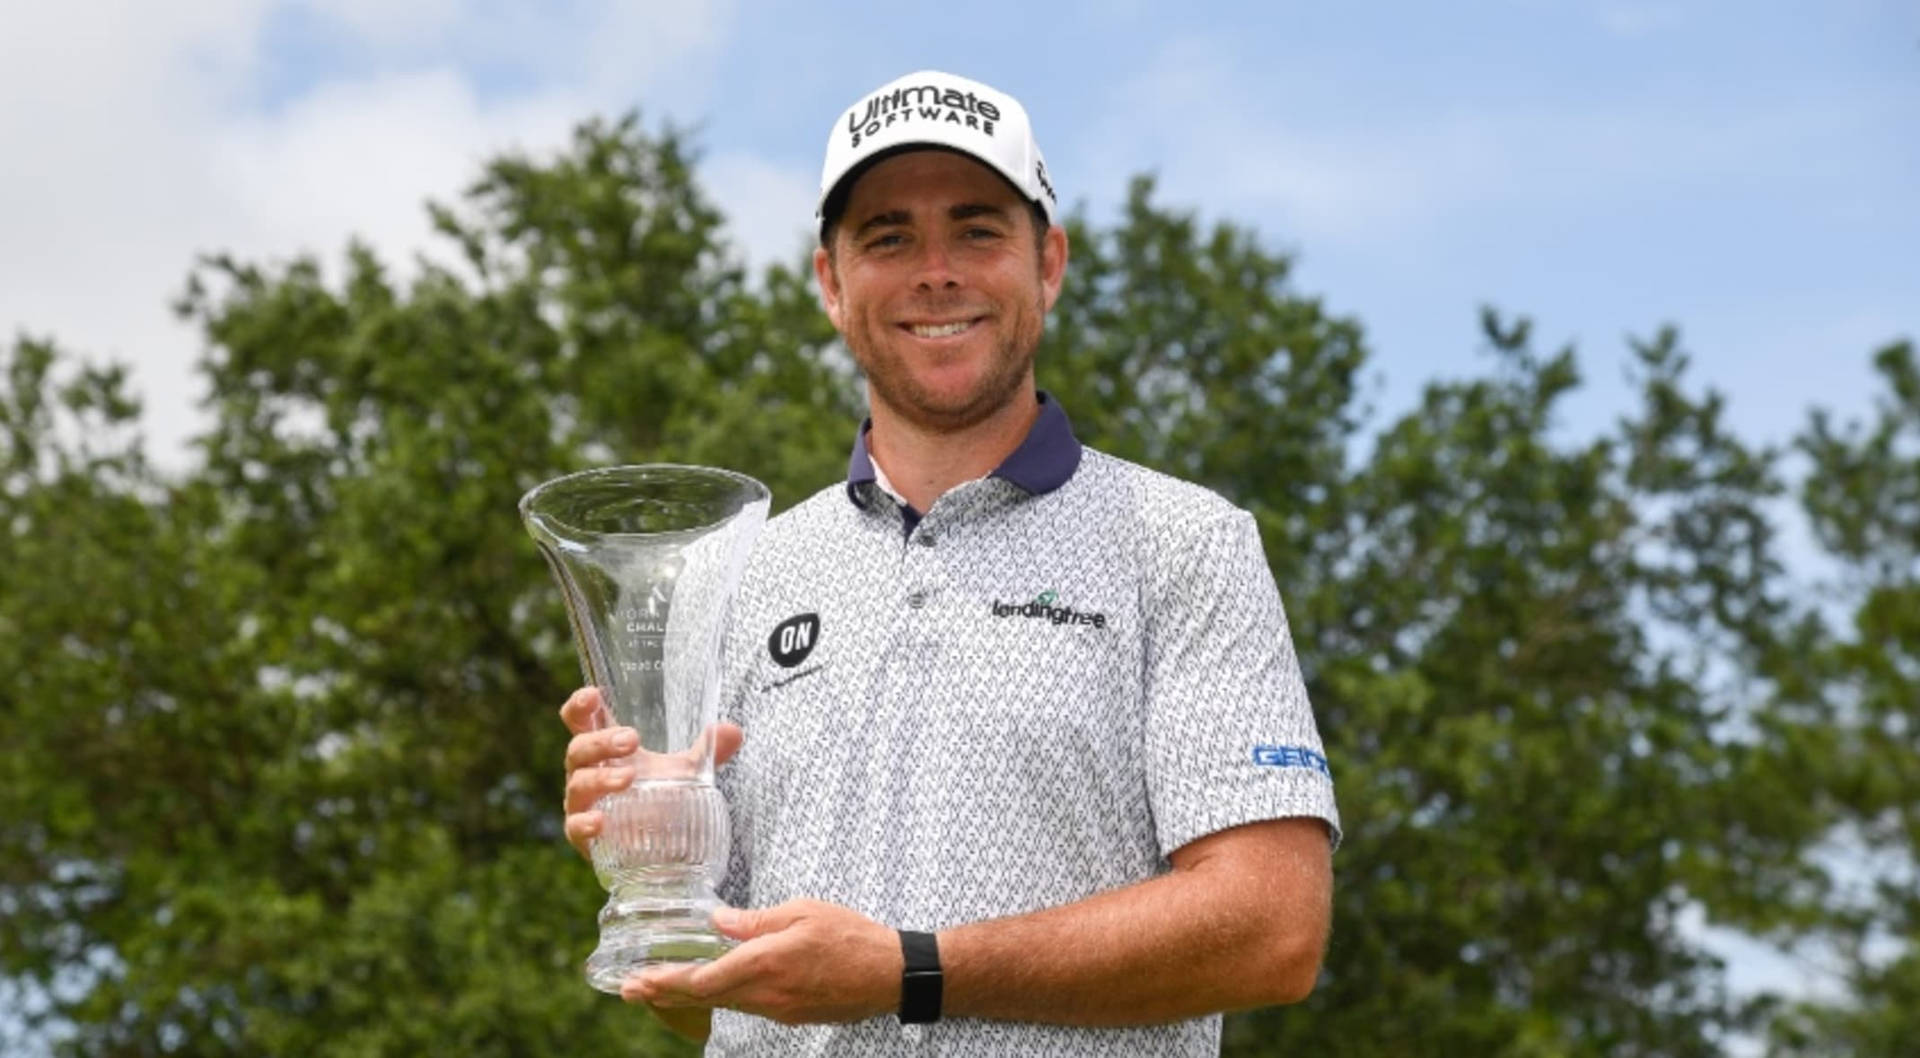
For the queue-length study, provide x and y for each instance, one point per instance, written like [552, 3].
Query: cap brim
[834, 202]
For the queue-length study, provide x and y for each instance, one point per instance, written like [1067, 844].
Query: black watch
[920, 982]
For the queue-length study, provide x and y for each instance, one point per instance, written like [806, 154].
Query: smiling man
[1041, 777]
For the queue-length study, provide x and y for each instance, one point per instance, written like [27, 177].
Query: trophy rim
[546, 525]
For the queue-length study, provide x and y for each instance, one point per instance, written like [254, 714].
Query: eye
[886, 241]
[982, 233]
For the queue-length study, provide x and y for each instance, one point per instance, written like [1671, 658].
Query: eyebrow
[882, 220]
[969, 210]
[963, 211]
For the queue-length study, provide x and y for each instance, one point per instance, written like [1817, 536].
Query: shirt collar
[1045, 460]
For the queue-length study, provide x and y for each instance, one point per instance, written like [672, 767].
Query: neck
[922, 463]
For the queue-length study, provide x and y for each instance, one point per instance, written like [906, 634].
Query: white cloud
[139, 136]
[99, 198]
[769, 209]
[601, 48]
[638, 42]
[386, 24]
[71, 60]
[362, 158]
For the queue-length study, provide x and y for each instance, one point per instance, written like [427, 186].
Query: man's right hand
[601, 760]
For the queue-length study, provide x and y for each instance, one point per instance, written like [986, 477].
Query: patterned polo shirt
[1034, 692]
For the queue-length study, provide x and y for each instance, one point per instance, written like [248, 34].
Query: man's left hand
[801, 962]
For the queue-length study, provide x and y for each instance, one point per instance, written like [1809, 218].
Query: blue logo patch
[1291, 757]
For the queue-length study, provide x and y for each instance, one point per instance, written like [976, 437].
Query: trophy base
[652, 931]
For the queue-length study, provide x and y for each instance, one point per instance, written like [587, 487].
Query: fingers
[582, 828]
[734, 977]
[598, 738]
[726, 741]
[586, 786]
[584, 711]
[705, 984]
[605, 758]
[669, 986]
[697, 984]
[598, 747]
[802, 961]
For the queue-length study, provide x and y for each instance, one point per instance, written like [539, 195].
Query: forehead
[930, 179]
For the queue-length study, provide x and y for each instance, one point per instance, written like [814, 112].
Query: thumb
[726, 741]
[748, 923]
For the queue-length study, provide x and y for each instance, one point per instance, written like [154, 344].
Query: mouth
[940, 330]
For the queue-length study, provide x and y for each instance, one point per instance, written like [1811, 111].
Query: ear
[828, 277]
[1053, 262]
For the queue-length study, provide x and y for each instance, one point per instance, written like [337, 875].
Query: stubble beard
[892, 384]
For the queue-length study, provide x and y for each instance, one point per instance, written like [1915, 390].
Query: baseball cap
[934, 109]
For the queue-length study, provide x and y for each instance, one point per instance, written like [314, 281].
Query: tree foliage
[279, 772]
[1862, 496]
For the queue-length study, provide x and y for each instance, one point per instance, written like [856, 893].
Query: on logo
[792, 639]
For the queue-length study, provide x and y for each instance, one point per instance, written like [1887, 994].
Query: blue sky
[1750, 172]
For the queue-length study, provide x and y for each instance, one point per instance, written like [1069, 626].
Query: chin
[954, 411]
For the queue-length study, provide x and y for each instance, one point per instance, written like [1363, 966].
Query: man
[1046, 782]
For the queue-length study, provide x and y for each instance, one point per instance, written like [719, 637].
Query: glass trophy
[649, 558]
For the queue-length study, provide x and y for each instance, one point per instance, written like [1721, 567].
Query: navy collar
[1044, 461]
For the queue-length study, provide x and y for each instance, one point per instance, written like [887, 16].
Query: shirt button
[917, 599]
[926, 539]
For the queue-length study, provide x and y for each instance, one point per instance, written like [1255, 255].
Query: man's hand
[801, 962]
[604, 759]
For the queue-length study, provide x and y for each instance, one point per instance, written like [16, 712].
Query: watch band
[921, 981]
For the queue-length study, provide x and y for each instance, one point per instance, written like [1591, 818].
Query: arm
[1241, 921]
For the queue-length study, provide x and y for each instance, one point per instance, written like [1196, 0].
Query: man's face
[938, 288]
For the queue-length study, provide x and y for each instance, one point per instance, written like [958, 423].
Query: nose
[934, 268]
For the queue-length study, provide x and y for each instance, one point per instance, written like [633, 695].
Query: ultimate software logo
[928, 103]
[1043, 606]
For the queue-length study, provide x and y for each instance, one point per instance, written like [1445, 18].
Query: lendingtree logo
[1043, 607]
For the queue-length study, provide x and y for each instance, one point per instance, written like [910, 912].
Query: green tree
[1859, 689]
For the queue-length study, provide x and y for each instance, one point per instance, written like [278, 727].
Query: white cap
[934, 109]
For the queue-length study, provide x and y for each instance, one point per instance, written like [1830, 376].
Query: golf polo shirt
[1057, 676]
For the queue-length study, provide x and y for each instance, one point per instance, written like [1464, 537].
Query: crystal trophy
[649, 558]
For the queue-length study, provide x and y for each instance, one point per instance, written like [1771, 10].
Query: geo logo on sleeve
[1290, 757]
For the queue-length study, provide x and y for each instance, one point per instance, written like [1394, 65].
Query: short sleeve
[1230, 737]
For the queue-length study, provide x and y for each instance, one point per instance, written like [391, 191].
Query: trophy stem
[662, 844]
[659, 920]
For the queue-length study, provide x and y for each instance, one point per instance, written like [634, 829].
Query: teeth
[940, 331]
